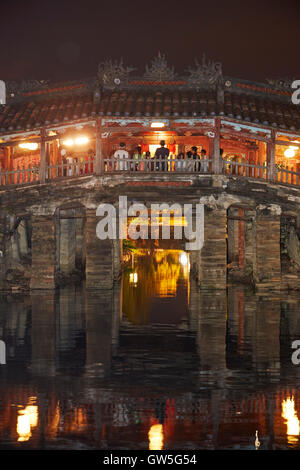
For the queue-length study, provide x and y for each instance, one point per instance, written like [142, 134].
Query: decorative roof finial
[113, 74]
[206, 73]
[159, 70]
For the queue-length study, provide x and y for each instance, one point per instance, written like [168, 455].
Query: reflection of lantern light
[290, 415]
[27, 419]
[156, 437]
[289, 153]
[23, 427]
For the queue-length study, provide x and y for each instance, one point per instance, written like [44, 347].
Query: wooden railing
[151, 165]
[287, 176]
[245, 169]
[143, 165]
[70, 169]
[19, 176]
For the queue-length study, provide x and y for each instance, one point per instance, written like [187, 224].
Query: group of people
[191, 161]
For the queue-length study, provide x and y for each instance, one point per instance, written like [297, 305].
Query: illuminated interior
[156, 274]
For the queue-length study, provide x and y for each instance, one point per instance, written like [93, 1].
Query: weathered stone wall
[67, 245]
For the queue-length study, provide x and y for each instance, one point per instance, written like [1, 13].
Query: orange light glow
[292, 421]
[157, 125]
[156, 437]
[29, 145]
[27, 419]
[81, 140]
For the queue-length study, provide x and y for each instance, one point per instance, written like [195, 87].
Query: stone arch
[15, 250]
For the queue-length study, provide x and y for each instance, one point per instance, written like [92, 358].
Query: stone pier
[212, 259]
[43, 252]
[67, 245]
[267, 268]
[99, 256]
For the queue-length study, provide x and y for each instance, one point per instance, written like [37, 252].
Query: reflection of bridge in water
[211, 380]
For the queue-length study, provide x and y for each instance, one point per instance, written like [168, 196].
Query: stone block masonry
[99, 256]
[213, 256]
[267, 268]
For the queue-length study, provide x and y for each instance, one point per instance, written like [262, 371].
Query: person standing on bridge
[195, 156]
[204, 161]
[121, 155]
[162, 153]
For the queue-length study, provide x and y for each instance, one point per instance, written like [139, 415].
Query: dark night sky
[64, 40]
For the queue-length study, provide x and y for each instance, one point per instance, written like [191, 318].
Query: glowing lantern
[290, 152]
[29, 145]
[157, 125]
[81, 140]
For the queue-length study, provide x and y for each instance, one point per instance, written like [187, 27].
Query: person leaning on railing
[180, 162]
[189, 161]
[147, 161]
[138, 157]
[121, 156]
[195, 156]
[204, 162]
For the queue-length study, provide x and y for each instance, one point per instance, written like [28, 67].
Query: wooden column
[99, 154]
[271, 157]
[42, 168]
[216, 164]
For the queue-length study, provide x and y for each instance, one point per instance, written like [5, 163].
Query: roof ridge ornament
[15, 88]
[112, 74]
[159, 71]
[281, 83]
[207, 73]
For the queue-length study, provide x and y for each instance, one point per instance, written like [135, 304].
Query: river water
[155, 364]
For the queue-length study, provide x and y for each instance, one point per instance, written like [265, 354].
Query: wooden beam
[216, 159]
[36, 140]
[271, 157]
[99, 154]
[287, 143]
[245, 135]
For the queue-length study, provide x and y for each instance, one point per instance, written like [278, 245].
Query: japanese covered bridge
[57, 163]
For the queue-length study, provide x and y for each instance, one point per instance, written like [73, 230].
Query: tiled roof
[67, 103]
